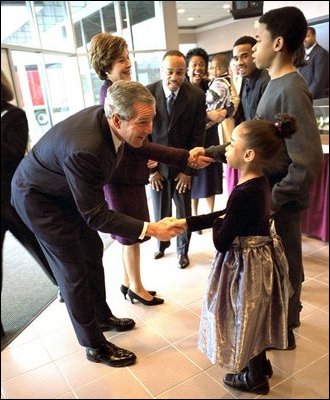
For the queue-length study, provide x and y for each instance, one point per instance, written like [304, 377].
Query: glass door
[28, 79]
[49, 89]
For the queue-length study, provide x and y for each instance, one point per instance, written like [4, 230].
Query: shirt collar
[116, 142]
[307, 51]
[168, 92]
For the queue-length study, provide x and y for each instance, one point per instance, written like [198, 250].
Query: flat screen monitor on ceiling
[247, 9]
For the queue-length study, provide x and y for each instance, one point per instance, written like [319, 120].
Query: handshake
[197, 158]
[166, 228]
[169, 227]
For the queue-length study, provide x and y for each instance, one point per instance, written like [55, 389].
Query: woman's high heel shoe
[124, 290]
[153, 302]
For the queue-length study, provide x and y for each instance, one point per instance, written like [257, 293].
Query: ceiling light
[190, 18]
[226, 6]
[181, 10]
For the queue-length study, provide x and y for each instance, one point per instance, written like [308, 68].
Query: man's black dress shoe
[111, 355]
[163, 246]
[117, 324]
[183, 261]
[240, 382]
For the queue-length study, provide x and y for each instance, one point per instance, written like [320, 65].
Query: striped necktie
[170, 103]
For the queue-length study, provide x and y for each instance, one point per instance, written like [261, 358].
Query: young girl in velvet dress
[246, 302]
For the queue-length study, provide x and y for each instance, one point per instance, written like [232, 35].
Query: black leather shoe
[183, 261]
[240, 382]
[267, 369]
[59, 296]
[124, 290]
[111, 355]
[153, 302]
[158, 254]
[117, 324]
[163, 246]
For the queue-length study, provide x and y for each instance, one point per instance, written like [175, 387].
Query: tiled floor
[45, 361]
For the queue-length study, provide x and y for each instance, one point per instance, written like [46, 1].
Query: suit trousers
[162, 205]
[78, 269]
[287, 225]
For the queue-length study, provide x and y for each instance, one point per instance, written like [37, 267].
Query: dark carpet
[26, 289]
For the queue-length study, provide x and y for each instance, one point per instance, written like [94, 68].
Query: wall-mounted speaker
[247, 9]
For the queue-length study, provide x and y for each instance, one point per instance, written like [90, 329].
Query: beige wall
[222, 38]
[187, 38]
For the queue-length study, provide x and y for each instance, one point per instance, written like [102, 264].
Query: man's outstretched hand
[165, 229]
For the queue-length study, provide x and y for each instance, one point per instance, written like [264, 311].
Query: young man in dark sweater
[277, 41]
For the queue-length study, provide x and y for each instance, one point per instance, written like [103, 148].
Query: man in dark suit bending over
[57, 190]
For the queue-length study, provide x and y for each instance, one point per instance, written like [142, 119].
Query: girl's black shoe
[267, 369]
[240, 382]
[124, 290]
[153, 302]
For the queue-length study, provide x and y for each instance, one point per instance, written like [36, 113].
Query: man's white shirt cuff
[144, 230]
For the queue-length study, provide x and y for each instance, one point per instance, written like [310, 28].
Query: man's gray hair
[121, 97]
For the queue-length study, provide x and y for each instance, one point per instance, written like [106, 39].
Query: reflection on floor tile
[46, 361]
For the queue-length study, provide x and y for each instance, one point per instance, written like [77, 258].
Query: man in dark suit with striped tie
[179, 122]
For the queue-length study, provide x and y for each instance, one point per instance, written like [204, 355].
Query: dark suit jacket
[316, 72]
[251, 91]
[59, 184]
[14, 140]
[185, 129]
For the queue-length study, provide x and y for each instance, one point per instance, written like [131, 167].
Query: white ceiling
[203, 12]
